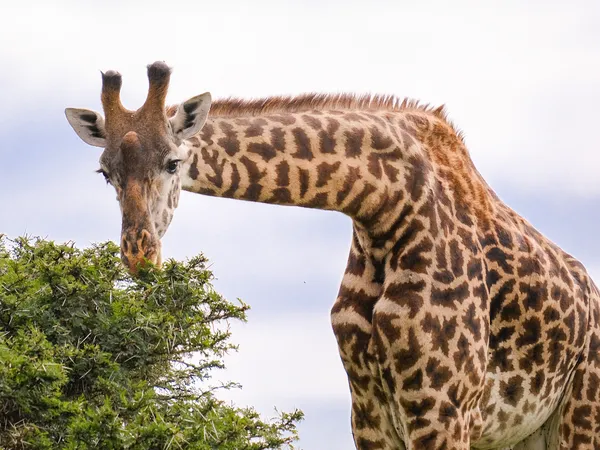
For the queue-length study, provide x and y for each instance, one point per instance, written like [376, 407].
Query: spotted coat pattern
[459, 325]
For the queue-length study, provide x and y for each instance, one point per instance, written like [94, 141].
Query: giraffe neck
[382, 168]
[344, 161]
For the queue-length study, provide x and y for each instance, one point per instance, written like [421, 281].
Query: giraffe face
[145, 175]
[141, 158]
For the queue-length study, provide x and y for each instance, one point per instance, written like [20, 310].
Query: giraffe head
[141, 157]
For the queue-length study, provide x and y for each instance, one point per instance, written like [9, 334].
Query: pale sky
[521, 80]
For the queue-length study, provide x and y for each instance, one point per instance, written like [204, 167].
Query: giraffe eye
[173, 165]
[104, 174]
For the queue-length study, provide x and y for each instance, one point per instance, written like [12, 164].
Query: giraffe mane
[315, 101]
[239, 107]
[232, 106]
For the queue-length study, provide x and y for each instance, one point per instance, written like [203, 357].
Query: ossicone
[159, 75]
[111, 95]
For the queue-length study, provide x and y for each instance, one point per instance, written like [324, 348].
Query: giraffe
[458, 324]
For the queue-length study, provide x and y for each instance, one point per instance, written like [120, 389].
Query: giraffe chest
[531, 363]
[509, 328]
[538, 315]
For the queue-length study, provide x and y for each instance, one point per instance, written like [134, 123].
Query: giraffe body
[459, 325]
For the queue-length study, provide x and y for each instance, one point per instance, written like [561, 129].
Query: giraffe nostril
[145, 241]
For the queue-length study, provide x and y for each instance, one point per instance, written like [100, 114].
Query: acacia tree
[93, 359]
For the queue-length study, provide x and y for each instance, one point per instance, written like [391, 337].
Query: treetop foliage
[91, 358]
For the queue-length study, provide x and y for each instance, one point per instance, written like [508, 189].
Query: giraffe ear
[88, 124]
[191, 116]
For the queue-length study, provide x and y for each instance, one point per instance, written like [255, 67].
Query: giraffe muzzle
[138, 249]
